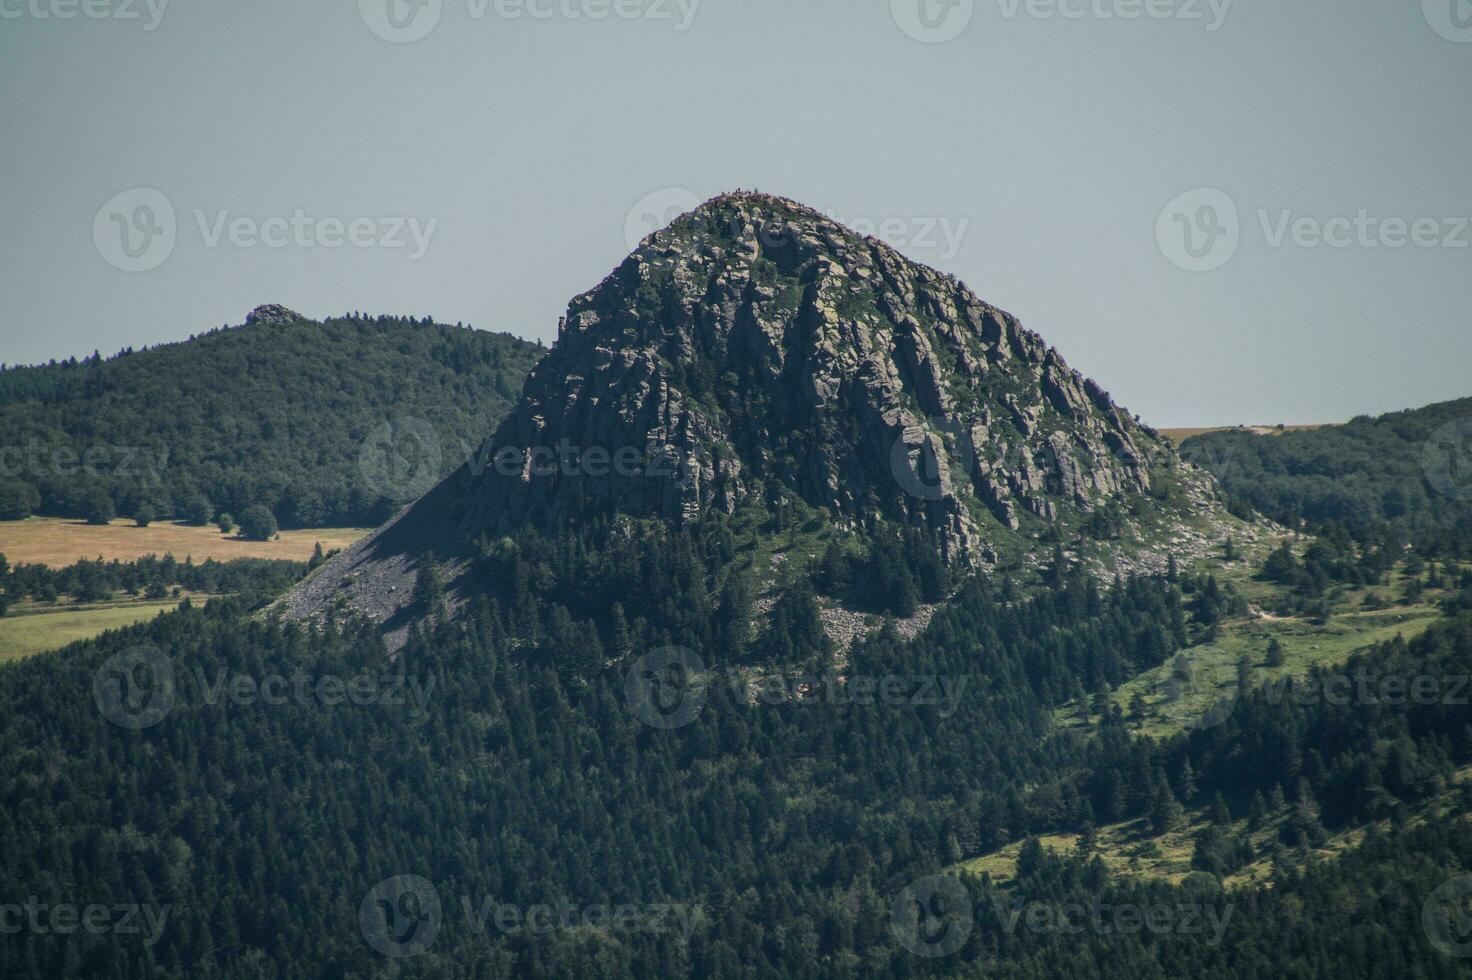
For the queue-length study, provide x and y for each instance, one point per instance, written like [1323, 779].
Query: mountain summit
[755, 345]
[756, 349]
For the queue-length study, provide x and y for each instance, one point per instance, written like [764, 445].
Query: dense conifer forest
[757, 817]
[273, 414]
[1397, 478]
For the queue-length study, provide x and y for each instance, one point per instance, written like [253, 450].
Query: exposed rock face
[755, 348]
[271, 313]
[756, 344]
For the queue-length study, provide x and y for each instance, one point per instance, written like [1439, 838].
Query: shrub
[198, 510]
[258, 523]
[225, 523]
[143, 516]
[99, 508]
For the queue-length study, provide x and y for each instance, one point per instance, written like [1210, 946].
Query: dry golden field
[59, 542]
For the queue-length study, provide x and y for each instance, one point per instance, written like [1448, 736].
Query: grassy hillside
[276, 413]
[30, 631]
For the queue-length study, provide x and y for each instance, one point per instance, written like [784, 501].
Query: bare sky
[1250, 211]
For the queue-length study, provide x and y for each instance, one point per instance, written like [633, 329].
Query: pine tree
[618, 631]
[1166, 812]
[1220, 814]
[1186, 784]
[1088, 838]
[1244, 675]
[733, 619]
[429, 588]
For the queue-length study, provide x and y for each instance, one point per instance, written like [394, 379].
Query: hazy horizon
[1076, 167]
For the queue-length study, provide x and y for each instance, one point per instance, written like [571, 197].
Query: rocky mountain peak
[756, 350]
[755, 346]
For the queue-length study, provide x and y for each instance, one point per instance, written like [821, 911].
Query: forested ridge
[274, 413]
[785, 827]
[1402, 477]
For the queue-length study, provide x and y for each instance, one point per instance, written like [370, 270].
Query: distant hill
[1405, 474]
[276, 412]
[1179, 436]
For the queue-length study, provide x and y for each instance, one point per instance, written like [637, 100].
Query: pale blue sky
[1046, 146]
